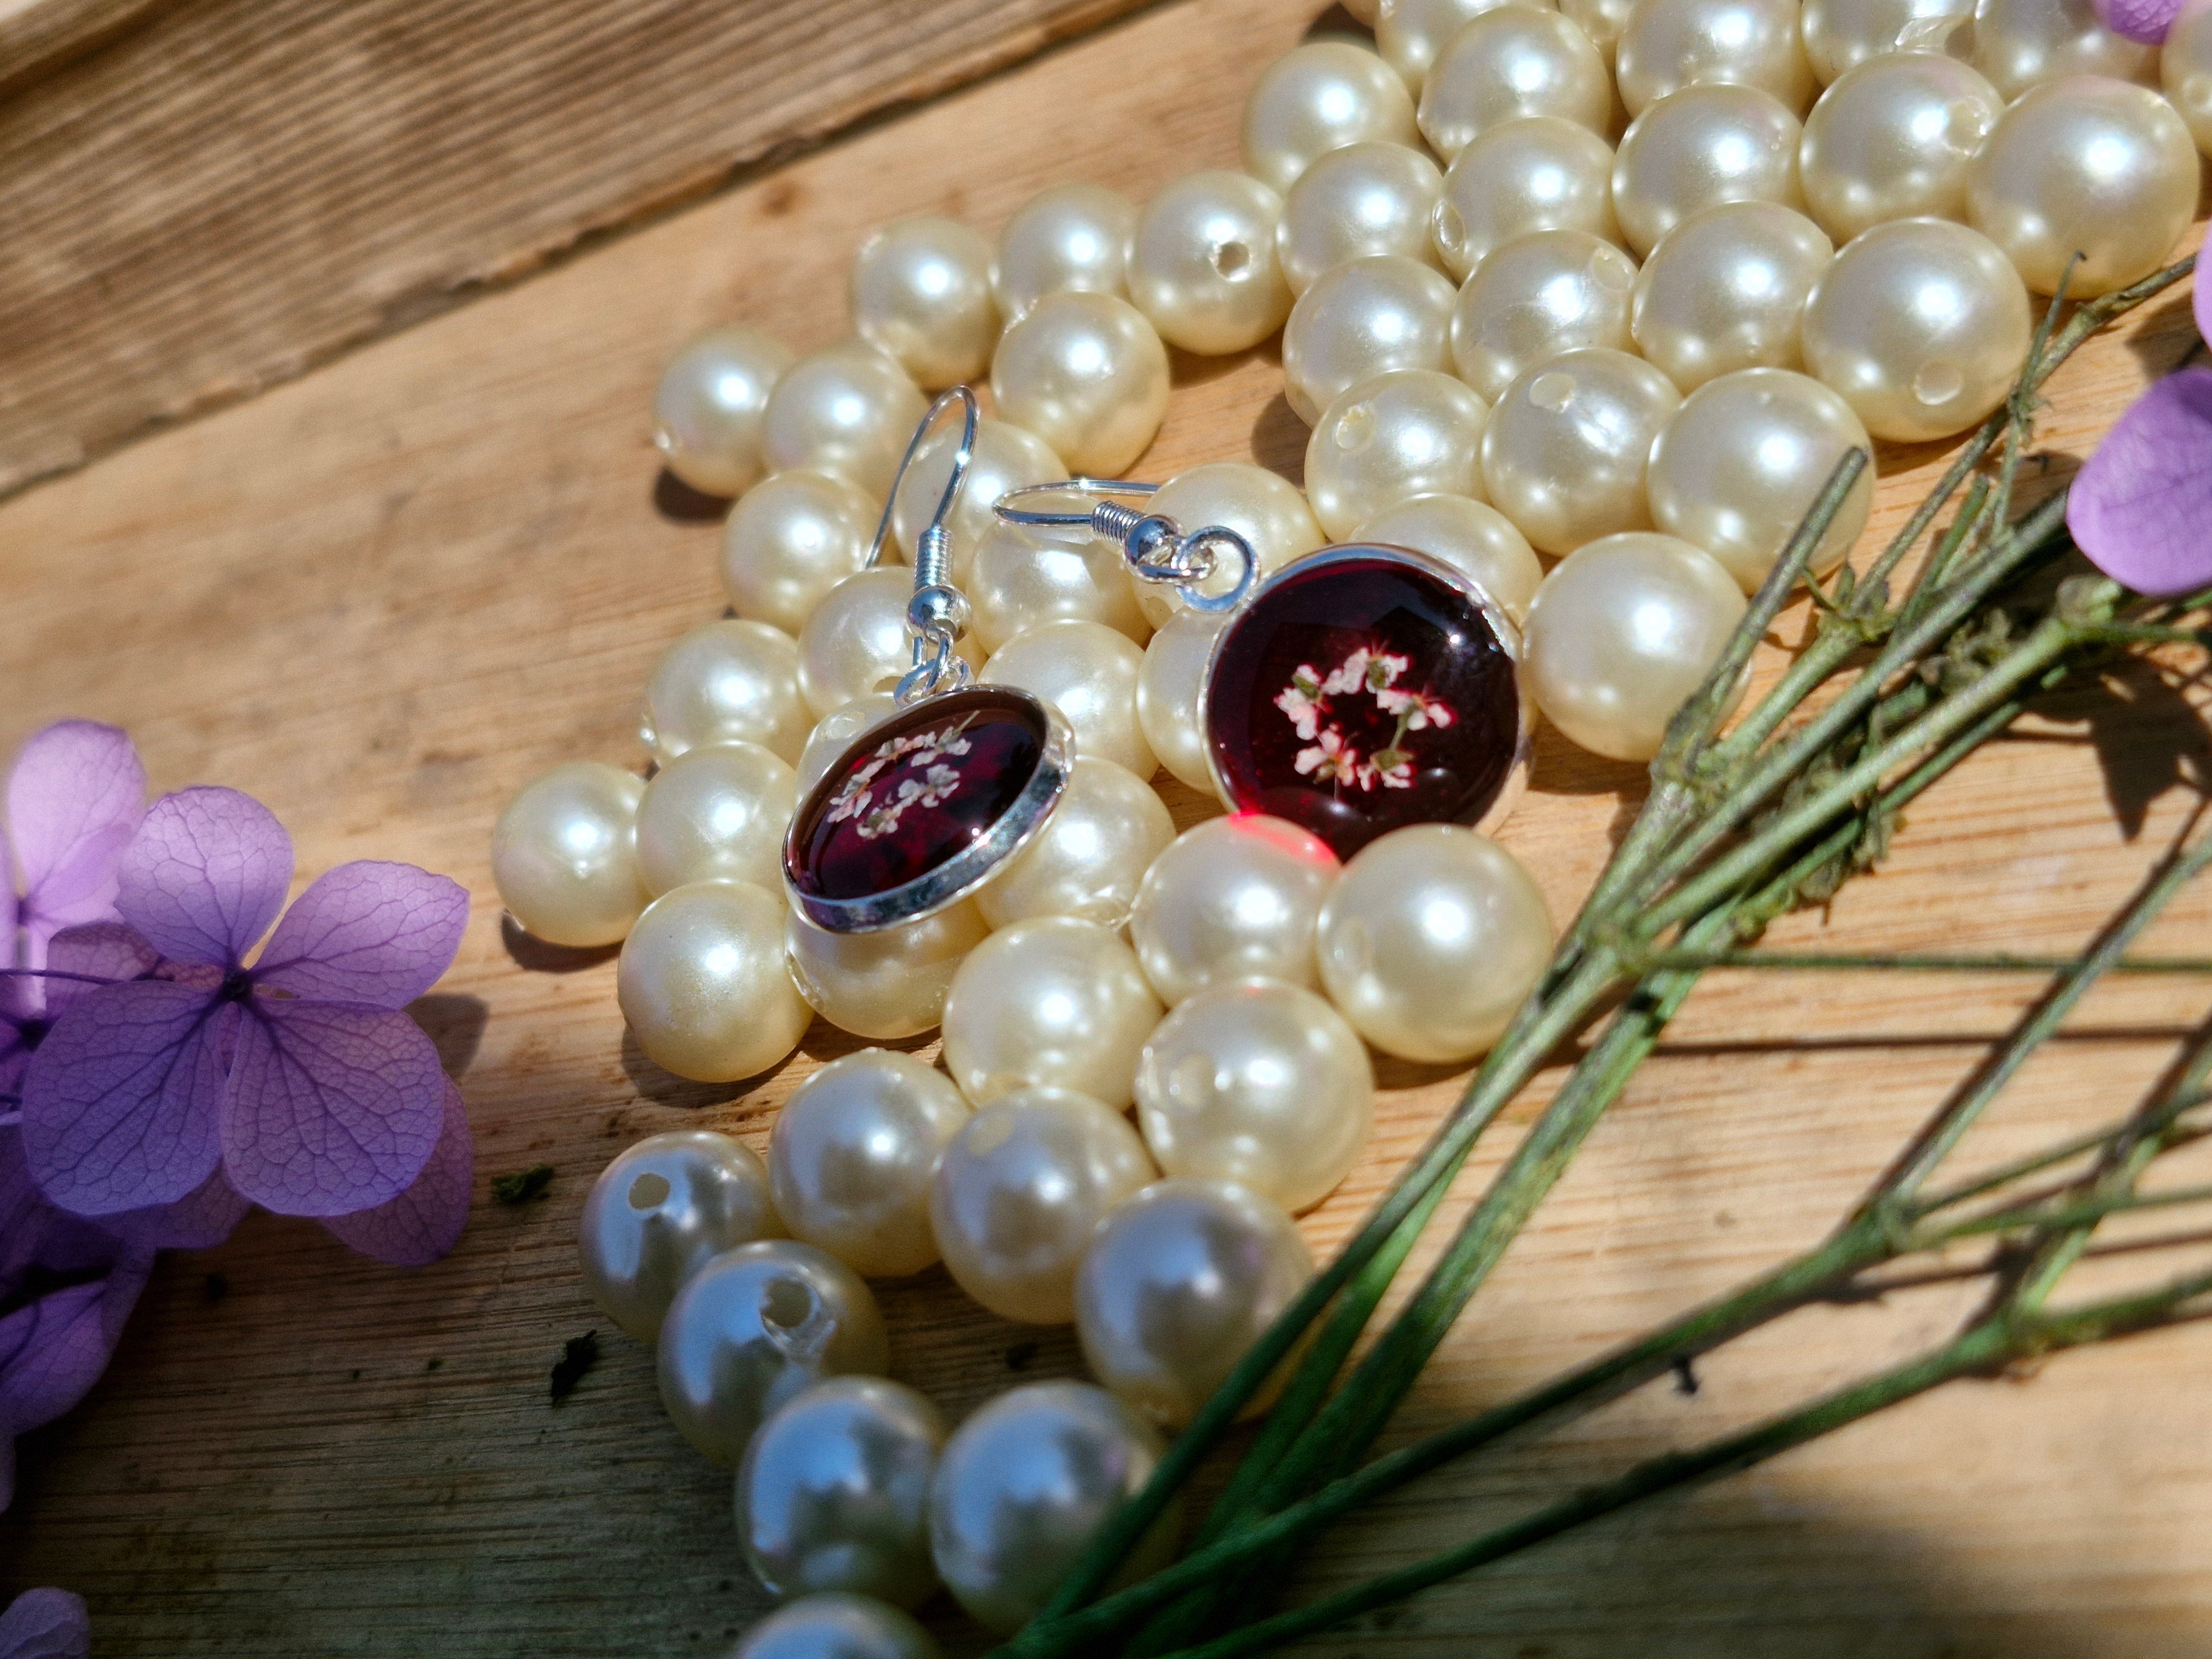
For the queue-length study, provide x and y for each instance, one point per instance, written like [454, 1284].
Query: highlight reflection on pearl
[1564, 452]
[710, 404]
[1066, 238]
[1268, 511]
[703, 983]
[1892, 139]
[1177, 1284]
[888, 983]
[719, 811]
[1535, 297]
[1841, 35]
[1020, 578]
[1472, 536]
[791, 538]
[727, 680]
[756, 1326]
[1725, 289]
[1668, 44]
[848, 411]
[1054, 1001]
[1316, 98]
[1512, 61]
[564, 855]
[1408, 433]
[1259, 1083]
[1087, 671]
[836, 1626]
[1004, 458]
[2185, 66]
[1234, 897]
[1202, 262]
[920, 290]
[856, 642]
[1409, 34]
[659, 1212]
[1087, 373]
[834, 732]
[1020, 1191]
[1361, 200]
[1169, 689]
[851, 1158]
[1432, 940]
[1698, 147]
[1536, 173]
[1362, 319]
[1621, 633]
[1090, 855]
[2020, 44]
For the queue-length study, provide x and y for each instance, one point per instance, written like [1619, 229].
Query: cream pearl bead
[849, 410]
[1202, 262]
[1004, 458]
[1841, 35]
[836, 1626]
[1087, 671]
[921, 291]
[727, 680]
[2085, 165]
[1700, 147]
[1564, 452]
[1090, 857]
[1268, 511]
[1432, 940]
[2020, 44]
[1054, 1001]
[1412, 432]
[1177, 1284]
[835, 731]
[1513, 61]
[564, 855]
[1087, 373]
[1725, 289]
[1020, 577]
[1233, 898]
[1260, 1083]
[888, 983]
[710, 406]
[1603, 20]
[717, 811]
[1472, 536]
[2185, 68]
[857, 642]
[1170, 687]
[1316, 98]
[756, 1326]
[1535, 297]
[703, 983]
[1021, 1189]
[1539, 173]
[1668, 45]
[852, 1156]
[1623, 630]
[660, 1210]
[1361, 320]
[1891, 139]
[1742, 463]
[1409, 34]
[1921, 325]
[1363, 11]
[834, 1493]
[792, 538]
[1065, 238]
[1362, 200]
[1024, 1487]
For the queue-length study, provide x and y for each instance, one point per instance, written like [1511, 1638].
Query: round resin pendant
[924, 807]
[1365, 688]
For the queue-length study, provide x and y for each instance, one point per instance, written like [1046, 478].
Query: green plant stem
[1999, 963]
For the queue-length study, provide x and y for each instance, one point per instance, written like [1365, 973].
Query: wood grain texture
[381, 598]
[38, 37]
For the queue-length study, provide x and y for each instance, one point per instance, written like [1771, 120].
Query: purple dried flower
[2141, 508]
[46, 1624]
[2146, 20]
[75, 798]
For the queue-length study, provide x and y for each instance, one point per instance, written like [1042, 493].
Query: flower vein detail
[1310, 698]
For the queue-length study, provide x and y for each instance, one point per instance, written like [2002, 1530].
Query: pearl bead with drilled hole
[1232, 898]
[717, 811]
[1540, 295]
[1472, 536]
[564, 855]
[1267, 510]
[1563, 453]
[836, 1625]
[1698, 147]
[1004, 458]
[1892, 139]
[1087, 671]
[1512, 61]
[711, 405]
[1056, 1001]
[727, 680]
[791, 538]
[849, 410]
[920, 290]
[1087, 373]
[835, 732]
[1065, 238]
[1170, 687]
[661, 1210]
[1090, 857]
[1361, 320]
[2020, 44]
[1316, 98]
[1362, 200]
[888, 983]
[1725, 289]
[1841, 35]
[1412, 432]
[1668, 45]
[1539, 173]
[1022, 577]
[1202, 262]
[703, 982]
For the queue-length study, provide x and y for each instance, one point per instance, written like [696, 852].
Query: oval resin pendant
[924, 807]
[1363, 689]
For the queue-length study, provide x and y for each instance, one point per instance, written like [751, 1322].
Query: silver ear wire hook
[1157, 548]
[938, 614]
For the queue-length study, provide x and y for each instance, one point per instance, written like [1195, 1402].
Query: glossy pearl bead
[2185, 67]
[729, 680]
[1268, 511]
[1003, 459]
[1472, 536]
[1891, 140]
[1603, 20]
[1054, 1001]
[1535, 297]
[1539, 173]
[1362, 319]
[1022, 1488]
[1090, 857]
[920, 290]
[1511, 61]
[1203, 266]
[1700, 147]
[1362, 200]
[1432, 940]
[1668, 44]
[886, 984]
[834, 733]
[564, 855]
[1065, 238]
[1317, 98]
[1564, 452]
[857, 642]
[659, 1212]
[1742, 463]
[2020, 44]
[851, 1158]
[1259, 1083]
[1233, 898]
[1725, 289]
[1020, 1191]
[1021, 578]
[834, 1493]
[836, 1626]
[714, 813]
[1412, 432]
[756, 1326]
[1177, 1284]
[1087, 373]
[1087, 671]
[1169, 687]
[710, 405]
[2089, 165]
[1409, 34]
[703, 983]
[1621, 633]
[793, 537]
[1921, 325]
[1841, 35]
[848, 411]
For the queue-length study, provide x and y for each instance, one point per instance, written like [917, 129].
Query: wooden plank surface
[382, 597]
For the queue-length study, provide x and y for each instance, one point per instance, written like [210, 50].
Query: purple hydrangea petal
[2146, 21]
[38, 1241]
[420, 1225]
[200, 1221]
[379, 934]
[2202, 299]
[334, 1107]
[2141, 507]
[96, 950]
[46, 1624]
[122, 1103]
[206, 875]
[74, 800]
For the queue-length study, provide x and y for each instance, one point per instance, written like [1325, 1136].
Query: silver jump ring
[1157, 548]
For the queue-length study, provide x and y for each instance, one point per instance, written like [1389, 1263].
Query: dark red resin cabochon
[1360, 695]
[915, 791]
